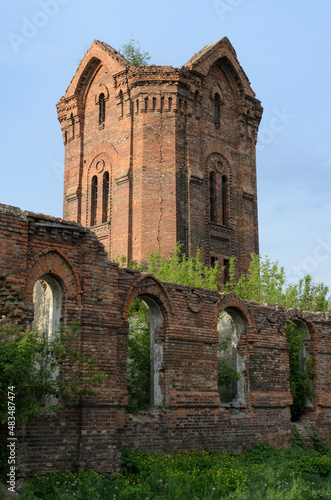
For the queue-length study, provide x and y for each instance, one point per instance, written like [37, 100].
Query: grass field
[261, 473]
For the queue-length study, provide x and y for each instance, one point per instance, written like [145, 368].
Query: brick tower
[156, 154]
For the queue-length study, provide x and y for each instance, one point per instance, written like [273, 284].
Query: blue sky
[284, 48]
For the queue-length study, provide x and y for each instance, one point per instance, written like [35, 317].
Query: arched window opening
[154, 104]
[47, 300]
[301, 369]
[145, 380]
[94, 200]
[146, 104]
[162, 104]
[169, 103]
[137, 106]
[72, 125]
[226, 264]
[213, 261]
[121, 103]
[230, 364]
[196, 102]
[105, 196]
[212, 196]
[217, 110]
[102, 108]
[224, 199]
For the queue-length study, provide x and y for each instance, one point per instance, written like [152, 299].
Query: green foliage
[139, 360]
[133, 53]
[307, 295]
[4, 466]
[298, 440]
[29, 361]
[228, 376]
[319, 445]
[266, 282]
[264, 472]
[301, 371]
[178, 269]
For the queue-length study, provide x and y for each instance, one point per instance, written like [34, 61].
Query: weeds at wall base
[262, 472]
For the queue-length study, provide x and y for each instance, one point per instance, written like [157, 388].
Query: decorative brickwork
[185, 335]
[163, 131]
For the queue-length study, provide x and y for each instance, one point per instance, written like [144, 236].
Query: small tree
[29, 364]
[178, 269]
[265, 281]
[133, 53]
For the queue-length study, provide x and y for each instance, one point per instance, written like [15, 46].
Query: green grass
[261, 473]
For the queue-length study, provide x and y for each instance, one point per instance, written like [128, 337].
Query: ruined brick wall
[189, 413]
[34, 247]
[164, 133]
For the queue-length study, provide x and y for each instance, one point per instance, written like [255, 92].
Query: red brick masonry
[98, 293]
[165, 132]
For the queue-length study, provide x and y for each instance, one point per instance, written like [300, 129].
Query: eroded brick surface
[159, 142]
[99, 293]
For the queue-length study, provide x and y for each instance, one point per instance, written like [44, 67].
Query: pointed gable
[98, 54]
[221, 49]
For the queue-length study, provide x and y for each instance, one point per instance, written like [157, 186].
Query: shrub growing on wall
[177, 268]
[266, 282]
[29, 362]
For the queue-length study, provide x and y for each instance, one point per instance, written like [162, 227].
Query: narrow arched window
[196, 102]
[212, 196]
[217, 110]
[102, 109]
[72, 124]
[94, 200]
[121, 103]
[224, 199]
[105, 196]
[226, 265]
[230, 327]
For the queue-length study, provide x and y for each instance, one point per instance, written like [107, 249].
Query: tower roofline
[211, 53]
[98, 53]
[201, 62]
